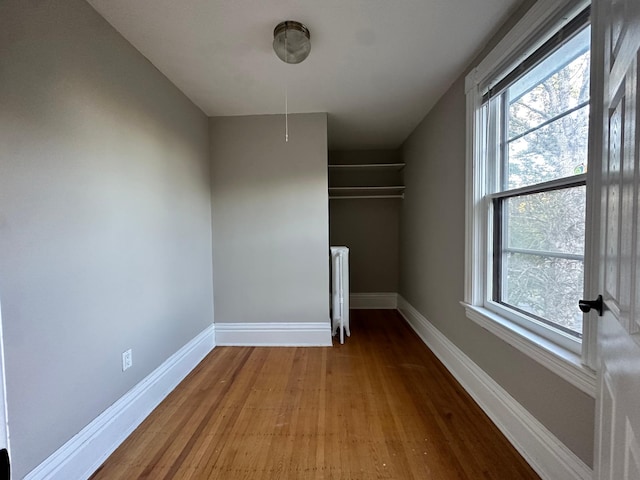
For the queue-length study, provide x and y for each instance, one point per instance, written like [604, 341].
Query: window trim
[538, 25]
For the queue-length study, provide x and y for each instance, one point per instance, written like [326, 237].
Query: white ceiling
[376, 66]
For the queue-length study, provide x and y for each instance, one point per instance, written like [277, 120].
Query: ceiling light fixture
[292, 44]
[291, 41]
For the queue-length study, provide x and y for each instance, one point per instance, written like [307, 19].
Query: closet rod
[346, 197]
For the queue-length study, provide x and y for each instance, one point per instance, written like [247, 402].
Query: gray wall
[270, 212]
[432, 272]
[369, 227]
[105, 223]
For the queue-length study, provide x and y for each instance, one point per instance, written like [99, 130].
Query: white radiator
[340, 291]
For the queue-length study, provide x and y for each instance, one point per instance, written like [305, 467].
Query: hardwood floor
[381, 406]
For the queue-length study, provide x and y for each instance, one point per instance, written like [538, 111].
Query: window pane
[554, 151]
[557, 84]
[546, 137]
[542, 265]
[551, 221]
[547, 287]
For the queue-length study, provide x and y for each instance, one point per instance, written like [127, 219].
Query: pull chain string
[286, 96]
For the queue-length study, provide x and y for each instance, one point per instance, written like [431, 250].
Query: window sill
[564, 363]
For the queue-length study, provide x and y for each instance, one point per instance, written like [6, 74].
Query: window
[527, 184]
[538, 194]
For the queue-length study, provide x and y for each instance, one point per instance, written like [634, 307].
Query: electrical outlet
[127, 360]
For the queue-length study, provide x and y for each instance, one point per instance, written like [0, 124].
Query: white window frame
[569, 359]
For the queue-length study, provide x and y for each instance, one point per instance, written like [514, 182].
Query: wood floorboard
[381, 406]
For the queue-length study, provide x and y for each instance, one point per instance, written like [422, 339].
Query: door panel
[630, 180]
[627, 196]
[606, 427]
[613, 204]
[632, 454]
[617, 25]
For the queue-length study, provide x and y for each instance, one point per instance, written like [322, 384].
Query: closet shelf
[379, 181]
[345, 193]
[369, 188]
[361, 197]
[368, 166]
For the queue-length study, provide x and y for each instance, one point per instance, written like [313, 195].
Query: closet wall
[368, 226]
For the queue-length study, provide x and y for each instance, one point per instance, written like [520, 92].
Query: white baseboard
[547, 455]
[379, 300]
[301, 334]
[86, 451]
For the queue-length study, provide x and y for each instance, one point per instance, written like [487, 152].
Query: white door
[616, 26]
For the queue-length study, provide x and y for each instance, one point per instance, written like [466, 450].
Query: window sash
[558, 184]
[497, 263]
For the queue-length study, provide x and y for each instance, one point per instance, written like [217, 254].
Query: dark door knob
[5, 471]
[587, 305]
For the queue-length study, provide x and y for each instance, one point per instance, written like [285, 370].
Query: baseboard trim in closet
[375, 300]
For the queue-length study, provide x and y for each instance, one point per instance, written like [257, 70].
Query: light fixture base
[291, 41]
